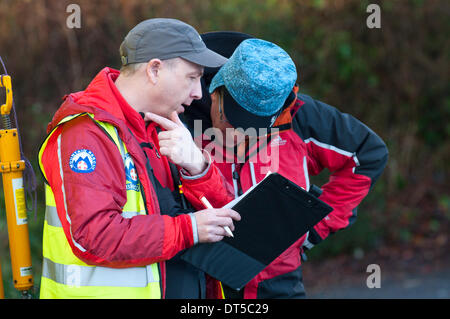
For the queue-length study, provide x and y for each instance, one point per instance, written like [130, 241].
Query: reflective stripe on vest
[66, 276]
[97, 276]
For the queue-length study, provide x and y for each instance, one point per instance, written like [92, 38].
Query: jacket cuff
[194, 228]
[312, 239]
[185, 175]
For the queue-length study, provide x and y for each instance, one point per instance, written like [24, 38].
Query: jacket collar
[103, 99]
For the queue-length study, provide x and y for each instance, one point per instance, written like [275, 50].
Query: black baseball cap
[165, 38]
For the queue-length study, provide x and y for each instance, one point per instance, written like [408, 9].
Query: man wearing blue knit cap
[296, 136]
[248, 96]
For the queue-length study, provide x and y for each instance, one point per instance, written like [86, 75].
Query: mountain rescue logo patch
[82, 161]
[132, 180]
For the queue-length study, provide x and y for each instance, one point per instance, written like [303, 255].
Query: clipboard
[275, 213]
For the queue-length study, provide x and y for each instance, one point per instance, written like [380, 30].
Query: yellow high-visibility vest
[66, 276]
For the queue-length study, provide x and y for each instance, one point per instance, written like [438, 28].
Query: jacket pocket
[286, 286]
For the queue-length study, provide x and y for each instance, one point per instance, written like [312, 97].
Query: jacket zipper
[236, 179]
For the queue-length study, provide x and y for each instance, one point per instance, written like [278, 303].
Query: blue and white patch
[132, 180]
[82, 161]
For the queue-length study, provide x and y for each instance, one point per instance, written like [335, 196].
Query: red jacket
[315, 136]
[93, 218]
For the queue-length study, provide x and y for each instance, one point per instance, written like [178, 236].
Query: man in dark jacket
[311, 136]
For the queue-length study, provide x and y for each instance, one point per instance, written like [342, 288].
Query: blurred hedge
[394, 79]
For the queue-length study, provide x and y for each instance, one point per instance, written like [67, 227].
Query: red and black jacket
[351, 151]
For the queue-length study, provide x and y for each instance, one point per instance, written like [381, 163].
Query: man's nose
[196, 93]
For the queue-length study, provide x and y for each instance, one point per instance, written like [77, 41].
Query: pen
[208, 205]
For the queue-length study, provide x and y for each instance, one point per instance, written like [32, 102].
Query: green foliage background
[394, 79]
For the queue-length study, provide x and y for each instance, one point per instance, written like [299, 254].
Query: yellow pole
[11, 168]
[2, 292]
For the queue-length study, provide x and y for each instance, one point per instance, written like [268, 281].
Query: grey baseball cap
[163, 39]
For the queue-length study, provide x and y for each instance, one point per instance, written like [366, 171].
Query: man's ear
[214, 96]
[153, 70]
[214, 103]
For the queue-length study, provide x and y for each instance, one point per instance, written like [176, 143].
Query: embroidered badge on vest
[131, 174]
[82, 161]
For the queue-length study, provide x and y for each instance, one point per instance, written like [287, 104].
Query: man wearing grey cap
[111, 218]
